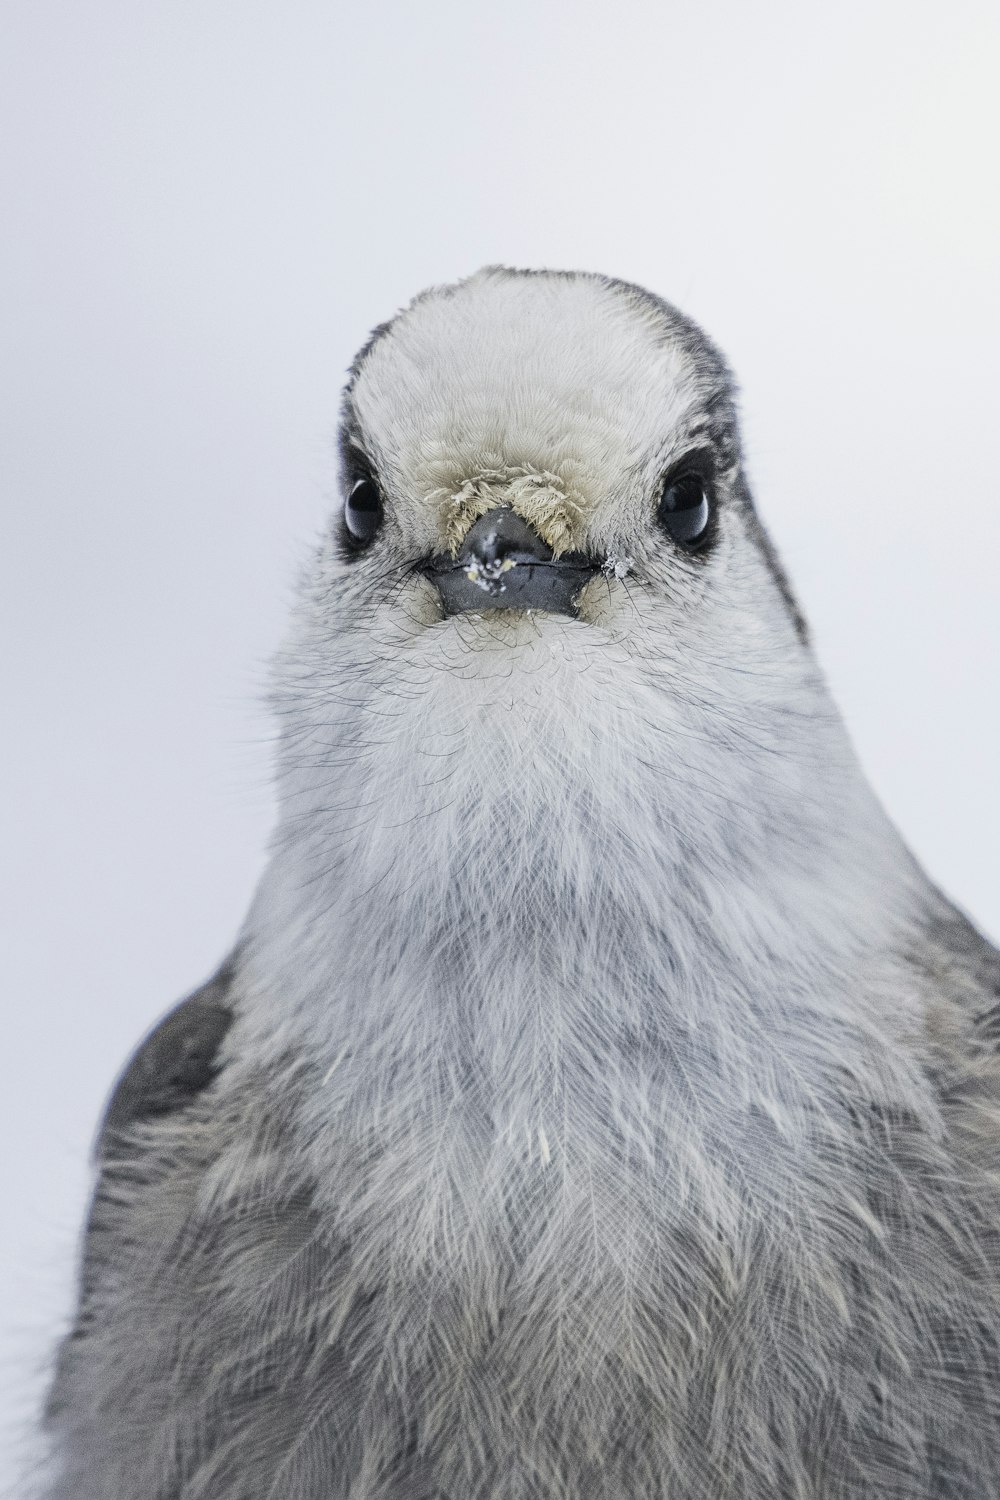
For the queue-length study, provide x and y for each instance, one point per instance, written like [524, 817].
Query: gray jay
[599, 1102]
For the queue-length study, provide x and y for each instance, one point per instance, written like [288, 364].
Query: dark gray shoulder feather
[965, 965]
[175, 1062]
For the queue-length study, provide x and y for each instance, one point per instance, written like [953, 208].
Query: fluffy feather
[610, 1103]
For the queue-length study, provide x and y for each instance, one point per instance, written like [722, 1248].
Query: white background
[205, 206]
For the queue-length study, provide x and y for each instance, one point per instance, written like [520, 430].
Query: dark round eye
[363, 511]
[685, 510]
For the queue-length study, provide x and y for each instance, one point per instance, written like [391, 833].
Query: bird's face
[531, 445]
[544, 530]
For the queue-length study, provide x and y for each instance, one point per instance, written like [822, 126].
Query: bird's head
[528, 444]
[543, 492]
[546, 583]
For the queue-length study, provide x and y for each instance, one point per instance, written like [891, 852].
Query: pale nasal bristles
[538, 496]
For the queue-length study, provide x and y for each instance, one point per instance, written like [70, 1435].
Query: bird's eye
[685, 510]
[363, 511]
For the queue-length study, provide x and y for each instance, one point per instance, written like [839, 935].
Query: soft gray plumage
[599, 1102]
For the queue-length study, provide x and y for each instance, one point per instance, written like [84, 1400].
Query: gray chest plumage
[530, 1318]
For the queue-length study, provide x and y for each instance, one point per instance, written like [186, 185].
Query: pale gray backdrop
[205, 206]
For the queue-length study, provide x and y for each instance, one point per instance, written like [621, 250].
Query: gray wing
[114, 1409]
[164, 1077]
[962, 969]
[179, 1058]
[210, 1358]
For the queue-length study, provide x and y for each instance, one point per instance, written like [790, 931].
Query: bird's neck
[568, 861]
[565, 943]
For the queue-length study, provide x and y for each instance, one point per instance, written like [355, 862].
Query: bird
[599, 1101]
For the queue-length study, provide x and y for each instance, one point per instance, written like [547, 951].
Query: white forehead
[572, 375]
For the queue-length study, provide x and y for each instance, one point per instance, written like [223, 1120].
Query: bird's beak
[504, 564]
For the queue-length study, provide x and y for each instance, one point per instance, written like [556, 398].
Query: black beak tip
[471, 587]
[505, 564]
